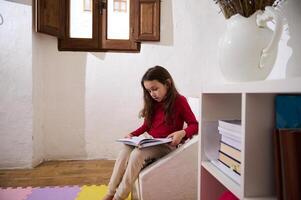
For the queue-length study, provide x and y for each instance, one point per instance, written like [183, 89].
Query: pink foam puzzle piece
[15, 193]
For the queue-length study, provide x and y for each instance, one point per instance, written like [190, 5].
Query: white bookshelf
[253, 103]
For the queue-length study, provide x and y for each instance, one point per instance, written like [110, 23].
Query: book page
[144, 142]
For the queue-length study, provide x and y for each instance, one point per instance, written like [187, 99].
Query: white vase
[248, 49]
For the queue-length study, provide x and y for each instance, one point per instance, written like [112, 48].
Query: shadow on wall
[100, 55]
[291, 11]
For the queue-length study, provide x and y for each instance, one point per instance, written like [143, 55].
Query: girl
[164, 112]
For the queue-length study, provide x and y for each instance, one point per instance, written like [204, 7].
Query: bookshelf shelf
[253, 104]
[292, 85]
[221, 177]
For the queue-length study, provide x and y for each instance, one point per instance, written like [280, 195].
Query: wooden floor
[52, 173]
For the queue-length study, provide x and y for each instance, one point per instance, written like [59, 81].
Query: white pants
[129, 163]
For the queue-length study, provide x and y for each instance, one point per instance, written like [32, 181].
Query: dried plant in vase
[244, 7]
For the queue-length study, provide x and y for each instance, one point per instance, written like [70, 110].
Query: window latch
[102, 5]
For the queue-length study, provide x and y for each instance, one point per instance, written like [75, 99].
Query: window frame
[59, 26]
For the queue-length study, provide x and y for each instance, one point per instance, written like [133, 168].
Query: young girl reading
[164, 113]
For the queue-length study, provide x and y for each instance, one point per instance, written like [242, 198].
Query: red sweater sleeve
[141, 129]
[192, 124]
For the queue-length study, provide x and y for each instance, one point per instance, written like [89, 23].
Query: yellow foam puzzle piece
[93, 192]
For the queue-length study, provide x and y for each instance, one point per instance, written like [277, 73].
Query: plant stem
[243, 7]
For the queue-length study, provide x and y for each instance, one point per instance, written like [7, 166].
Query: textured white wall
[16, 108]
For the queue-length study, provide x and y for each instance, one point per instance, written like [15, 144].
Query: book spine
[288, 111]
[277, 159]
[231, 142]
[229, 126]
[230, 151]
[289, 141]
[234, 134]
[226, 170]
[230, 162]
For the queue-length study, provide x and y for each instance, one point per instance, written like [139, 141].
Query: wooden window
[99, 25]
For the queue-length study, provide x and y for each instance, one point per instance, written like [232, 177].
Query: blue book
[288, 111]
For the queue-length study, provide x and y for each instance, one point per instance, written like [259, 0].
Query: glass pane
[118, 19]
[81, 18]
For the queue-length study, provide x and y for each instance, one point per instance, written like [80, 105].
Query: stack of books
[229, 154]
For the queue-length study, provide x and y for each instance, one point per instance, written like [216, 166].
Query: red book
[228, 196]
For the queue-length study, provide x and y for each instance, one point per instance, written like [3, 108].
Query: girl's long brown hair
[162, 75]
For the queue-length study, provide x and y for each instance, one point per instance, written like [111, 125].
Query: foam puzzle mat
[85, 192]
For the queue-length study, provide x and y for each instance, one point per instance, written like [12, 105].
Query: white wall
[16, 108]
[292, 11]
[38, 95]
[64, 101]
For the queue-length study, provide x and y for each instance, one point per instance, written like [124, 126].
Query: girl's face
[156, 89]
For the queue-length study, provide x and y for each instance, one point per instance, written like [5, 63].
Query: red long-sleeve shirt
[181, 113]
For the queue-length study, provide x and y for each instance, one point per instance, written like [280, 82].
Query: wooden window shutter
[148, 12]
[50, 17]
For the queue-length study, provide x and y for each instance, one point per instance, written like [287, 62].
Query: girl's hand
[176, 137]
[128, 136]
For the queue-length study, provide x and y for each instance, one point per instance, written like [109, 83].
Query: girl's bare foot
[108, 197]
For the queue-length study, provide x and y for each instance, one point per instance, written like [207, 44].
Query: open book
[142, 142]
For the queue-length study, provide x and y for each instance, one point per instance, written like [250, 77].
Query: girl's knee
[125, 151]
[137, 156]
[126, 148]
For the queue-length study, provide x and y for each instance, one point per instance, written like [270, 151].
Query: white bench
[173, 177]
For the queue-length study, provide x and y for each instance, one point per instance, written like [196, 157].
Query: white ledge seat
[173, 177]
